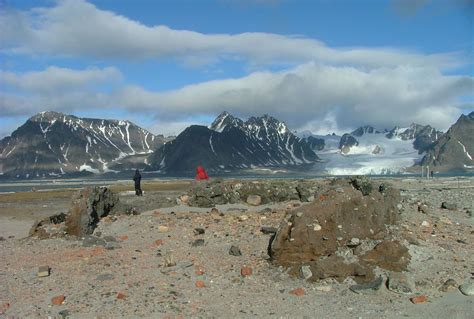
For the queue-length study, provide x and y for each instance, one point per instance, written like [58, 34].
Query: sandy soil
[136, 279]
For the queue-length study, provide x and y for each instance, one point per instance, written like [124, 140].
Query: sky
[319, 65]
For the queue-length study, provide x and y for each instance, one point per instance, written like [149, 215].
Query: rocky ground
[176, 260]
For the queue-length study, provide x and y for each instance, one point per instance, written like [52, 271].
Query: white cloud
[77, 28]
[310, 96]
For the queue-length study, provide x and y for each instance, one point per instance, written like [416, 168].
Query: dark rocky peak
[365, 130]
[267, 125]
[225, 121]
[48, 116]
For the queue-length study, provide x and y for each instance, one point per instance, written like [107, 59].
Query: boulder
[315, 233]
[88, 206]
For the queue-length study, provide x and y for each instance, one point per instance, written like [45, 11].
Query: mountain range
[52, 144]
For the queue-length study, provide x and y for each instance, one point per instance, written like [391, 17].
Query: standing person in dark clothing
[137, 179]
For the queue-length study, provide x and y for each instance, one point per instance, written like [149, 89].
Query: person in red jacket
[201, 173]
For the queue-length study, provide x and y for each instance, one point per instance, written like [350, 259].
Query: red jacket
[201, 173]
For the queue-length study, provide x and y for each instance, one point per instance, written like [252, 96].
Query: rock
[105, 277]
[246, 271]
[425, 224]
[423, 208]
[169, 260]
[449, 285]
[323, 288]
[88, 206]
[334, 223]
[368, 288]
[123, 237]
[363, 184]
[200, 284]
[163, 229]
[400, 283]
[235, 251]
[64, 313]
[298, 292]
[268, 230]
[91, 241]
[199, 231]
[419, 299]
[43, 271]
[467, 289]
[58, 300]
[198, 242]
[354, 242]
[184, 199]
[305, 272]
[448, 205]
[121, 296]
[254, 200]
[243, 218]
[199, 271]
[158, 242]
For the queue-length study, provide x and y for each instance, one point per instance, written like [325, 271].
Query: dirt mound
[326, 234]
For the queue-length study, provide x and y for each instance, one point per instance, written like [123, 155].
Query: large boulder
[88, 206]
[319, 234]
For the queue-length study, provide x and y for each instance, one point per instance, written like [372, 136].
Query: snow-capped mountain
[367, 150]
[455, 149]
[230, 144]
[52, 144]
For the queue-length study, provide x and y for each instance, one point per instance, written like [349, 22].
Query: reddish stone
[124, 237]
[200, 284]
[419, 299]
[158, 242]
[298, 292]
[246, 271]
[121, 296]
[199, 271]
[5, 307]
[58, 300]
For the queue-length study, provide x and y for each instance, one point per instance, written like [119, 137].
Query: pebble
[169, 260]
[200, 284]
[368, 288]
[323, 288]
[467, 289]
[198, 242]
[268, 230]
[43, 271]
[354, 242]
[58, 300]
[246, 271]
[163, 229]
[317, 227]
[305, 272]
[449, 285]
[299, 214]
[419, 299]
[298, 292]
[121, 296]
[425, 224]
[235, 251]
[447, 205]
[199, 231]
[400, 283]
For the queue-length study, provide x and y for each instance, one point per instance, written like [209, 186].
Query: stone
[88, 206]
[419, 299]
[43, 271]
[305, 272]
[58, 300]
[184, 199]
[199, 231]
[169, 260]
[425, 224]
[323, 288]
[246, 271]
[298, 292]
[199, 271]
[254, 200]
[158, 242]
[368, 288]
[400, 283]
[354, 242]
[243, 218]
[123, 237]
[317, 227]
[363, 184]
[198, 242]
[449, 206]
[268, 230]
[121, 296]
[467, 289]
[163, 229]
[105, 277]
[449, 285]
[64, 313]
[200, 284]
[423, 208]
[388, 254]
[235, 251]
[91, 241]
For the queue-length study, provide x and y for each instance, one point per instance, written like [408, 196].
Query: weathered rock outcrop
[324, 233]
[223, 192]
[88, 206]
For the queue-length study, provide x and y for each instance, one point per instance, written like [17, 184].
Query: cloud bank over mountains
[352, 86]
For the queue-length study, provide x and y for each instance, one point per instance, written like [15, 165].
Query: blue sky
[318, 65]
